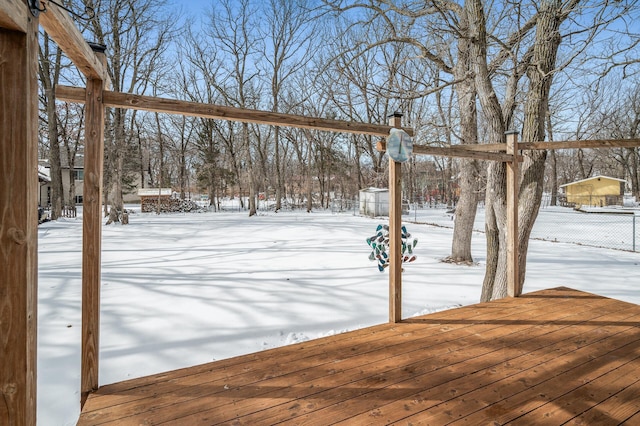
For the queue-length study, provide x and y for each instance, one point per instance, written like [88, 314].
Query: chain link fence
[612, 228]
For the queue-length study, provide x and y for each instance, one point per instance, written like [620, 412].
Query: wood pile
[167, 205]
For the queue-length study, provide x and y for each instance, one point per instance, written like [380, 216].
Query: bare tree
[442, 42]
[289, 32]
[72, 136]
[620, 119]
[541, 62]
[50, 67]
[185, 128]
[230, 33]
[136, 34]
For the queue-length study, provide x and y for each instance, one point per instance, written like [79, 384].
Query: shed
[374, 202]
[150, 197]
[44, 181]
[595, 191]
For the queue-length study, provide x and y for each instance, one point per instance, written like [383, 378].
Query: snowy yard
[184, 289]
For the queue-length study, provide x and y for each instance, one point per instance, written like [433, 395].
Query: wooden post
[18, 219]
[92, 233]
[513, 273]
[395, 225]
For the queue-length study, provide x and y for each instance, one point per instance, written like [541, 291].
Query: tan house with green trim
[597, 191]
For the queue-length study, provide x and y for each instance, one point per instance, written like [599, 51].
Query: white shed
[374, 202]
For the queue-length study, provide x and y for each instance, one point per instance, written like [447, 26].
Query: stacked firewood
[168, 205]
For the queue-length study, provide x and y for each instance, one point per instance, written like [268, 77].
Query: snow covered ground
[184, 289]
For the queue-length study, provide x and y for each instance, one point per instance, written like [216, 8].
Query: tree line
[461, 72]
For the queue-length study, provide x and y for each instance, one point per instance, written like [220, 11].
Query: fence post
[18, 214]
[395, 224]
[634, 232]
[92, 233]
[514, 286]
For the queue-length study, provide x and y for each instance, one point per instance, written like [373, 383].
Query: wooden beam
[14, 15]
[513, 275]
[575, 144]
[92, 236]
[459, 151]
[59, 25]
[485, 147]
[395, 232]
[18, 224]
[491, 148]
[195, 109]
[585, 144]
[486, 151]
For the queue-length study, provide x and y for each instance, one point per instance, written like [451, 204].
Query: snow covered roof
[78, 161]
[372, 189]
[150, 192]
[43, 174]
[592, 178]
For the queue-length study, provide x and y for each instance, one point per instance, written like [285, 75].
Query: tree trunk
[252, 184]
[143, 155]
[554, 178]
[495, 275]
[494, 285]
[635, 183]
[554, 165]
[54, 156]
[117, 173]
[536, 109]
[49, 77]
[278, 170]
[356, 161]
[545, 48]
[470, 169]
[581, 167]
[309, 177]
[465, 212]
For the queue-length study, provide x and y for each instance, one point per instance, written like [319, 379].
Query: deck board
[547, 357]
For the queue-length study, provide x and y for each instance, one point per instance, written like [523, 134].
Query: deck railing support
[514, 287]
[18, 213]
[395, 225]
[92, 233]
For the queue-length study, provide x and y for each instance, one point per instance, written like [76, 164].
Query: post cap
[395, 114]
[97, 47]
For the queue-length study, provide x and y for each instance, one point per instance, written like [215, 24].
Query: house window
[78, 174]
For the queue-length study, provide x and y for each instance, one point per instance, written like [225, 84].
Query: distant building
[77, 174]
[374, 202]
[130, 193]
[598, 191]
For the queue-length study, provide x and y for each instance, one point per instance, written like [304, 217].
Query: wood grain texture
[92, 236]
[586, 144]
[61, 28]
[559, 354]
[457, 151]
[14, 15]
[395, 242]
[18, 224]
[486, 151]
[513, 183]
[172, 106]
[553, 145]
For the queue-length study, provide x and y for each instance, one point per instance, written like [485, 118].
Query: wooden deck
[550, 357]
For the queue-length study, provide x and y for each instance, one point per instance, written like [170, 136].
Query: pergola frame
[18, 190]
